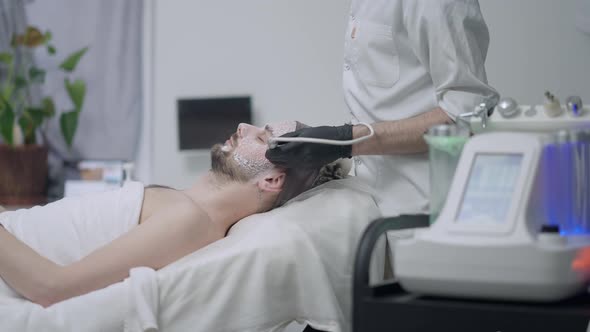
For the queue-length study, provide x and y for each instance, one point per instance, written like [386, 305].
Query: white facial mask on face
[249, 155]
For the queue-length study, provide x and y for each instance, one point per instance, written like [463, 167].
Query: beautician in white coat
[408, 65]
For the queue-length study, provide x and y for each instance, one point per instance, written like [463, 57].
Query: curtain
[13, 20]
[110, 121]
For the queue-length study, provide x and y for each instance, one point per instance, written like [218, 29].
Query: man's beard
[221, 165]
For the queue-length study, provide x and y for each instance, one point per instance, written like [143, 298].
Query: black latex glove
[312, 155]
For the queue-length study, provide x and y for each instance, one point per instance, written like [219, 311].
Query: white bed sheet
[292, 263]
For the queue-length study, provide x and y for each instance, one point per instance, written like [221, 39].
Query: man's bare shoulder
[191, 218]
[171, 204]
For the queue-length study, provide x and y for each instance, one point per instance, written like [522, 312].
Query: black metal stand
[389, 308]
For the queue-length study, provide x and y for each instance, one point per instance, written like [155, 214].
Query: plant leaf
[26, 125]
[29, 121]
[47, 37]
[51, 49]
[76, 91]
[6, 121]
[37, 115]
[48, 107]
[71, 62]
[37, 75]
[33, 37]
[6, 58]
[20, 82]
[69, 122]
[7, 92]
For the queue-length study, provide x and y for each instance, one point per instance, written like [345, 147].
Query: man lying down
[152, 226]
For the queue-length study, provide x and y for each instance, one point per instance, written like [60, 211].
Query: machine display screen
[490, 188]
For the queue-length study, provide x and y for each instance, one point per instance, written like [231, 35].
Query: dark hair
[298, 180]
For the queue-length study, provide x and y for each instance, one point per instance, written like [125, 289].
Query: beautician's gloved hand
[311, 155]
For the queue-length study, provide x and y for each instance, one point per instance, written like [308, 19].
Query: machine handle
[370, 236]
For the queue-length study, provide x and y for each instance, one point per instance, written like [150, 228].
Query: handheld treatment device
[273, 142]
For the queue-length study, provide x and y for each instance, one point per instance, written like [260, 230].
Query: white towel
[129, 306]
[142, 301]
[99, 311]
[71, 228]
[64, 232]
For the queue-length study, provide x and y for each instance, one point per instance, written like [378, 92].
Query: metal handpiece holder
[482, 110]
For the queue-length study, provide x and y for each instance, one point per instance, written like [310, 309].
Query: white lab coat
[403, 58]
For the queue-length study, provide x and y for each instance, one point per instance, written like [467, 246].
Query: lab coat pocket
[378, 62]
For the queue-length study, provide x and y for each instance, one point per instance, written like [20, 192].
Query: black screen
[204, 122]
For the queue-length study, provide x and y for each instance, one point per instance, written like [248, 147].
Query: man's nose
[245, 129]
[242, 130]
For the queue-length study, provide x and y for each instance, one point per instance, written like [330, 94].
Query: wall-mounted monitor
[204, 122]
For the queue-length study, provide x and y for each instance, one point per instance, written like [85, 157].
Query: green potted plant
[23, 160]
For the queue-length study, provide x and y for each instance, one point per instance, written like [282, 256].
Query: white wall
[288, 55]
[535, 46]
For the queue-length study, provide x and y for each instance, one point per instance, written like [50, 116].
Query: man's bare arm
[157, 242]
[398, 137]
[25, 270]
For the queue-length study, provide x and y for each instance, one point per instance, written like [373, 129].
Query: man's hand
[311, 155]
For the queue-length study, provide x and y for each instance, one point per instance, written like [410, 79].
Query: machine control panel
[552, 115]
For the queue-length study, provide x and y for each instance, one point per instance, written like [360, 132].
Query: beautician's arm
[157, 242]
[398, 137]
[391, 137]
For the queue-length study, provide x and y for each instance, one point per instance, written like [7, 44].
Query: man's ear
[273, 180]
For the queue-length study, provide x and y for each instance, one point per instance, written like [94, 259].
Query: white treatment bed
[290, 264]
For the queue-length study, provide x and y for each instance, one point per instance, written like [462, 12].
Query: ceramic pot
[23, 174]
